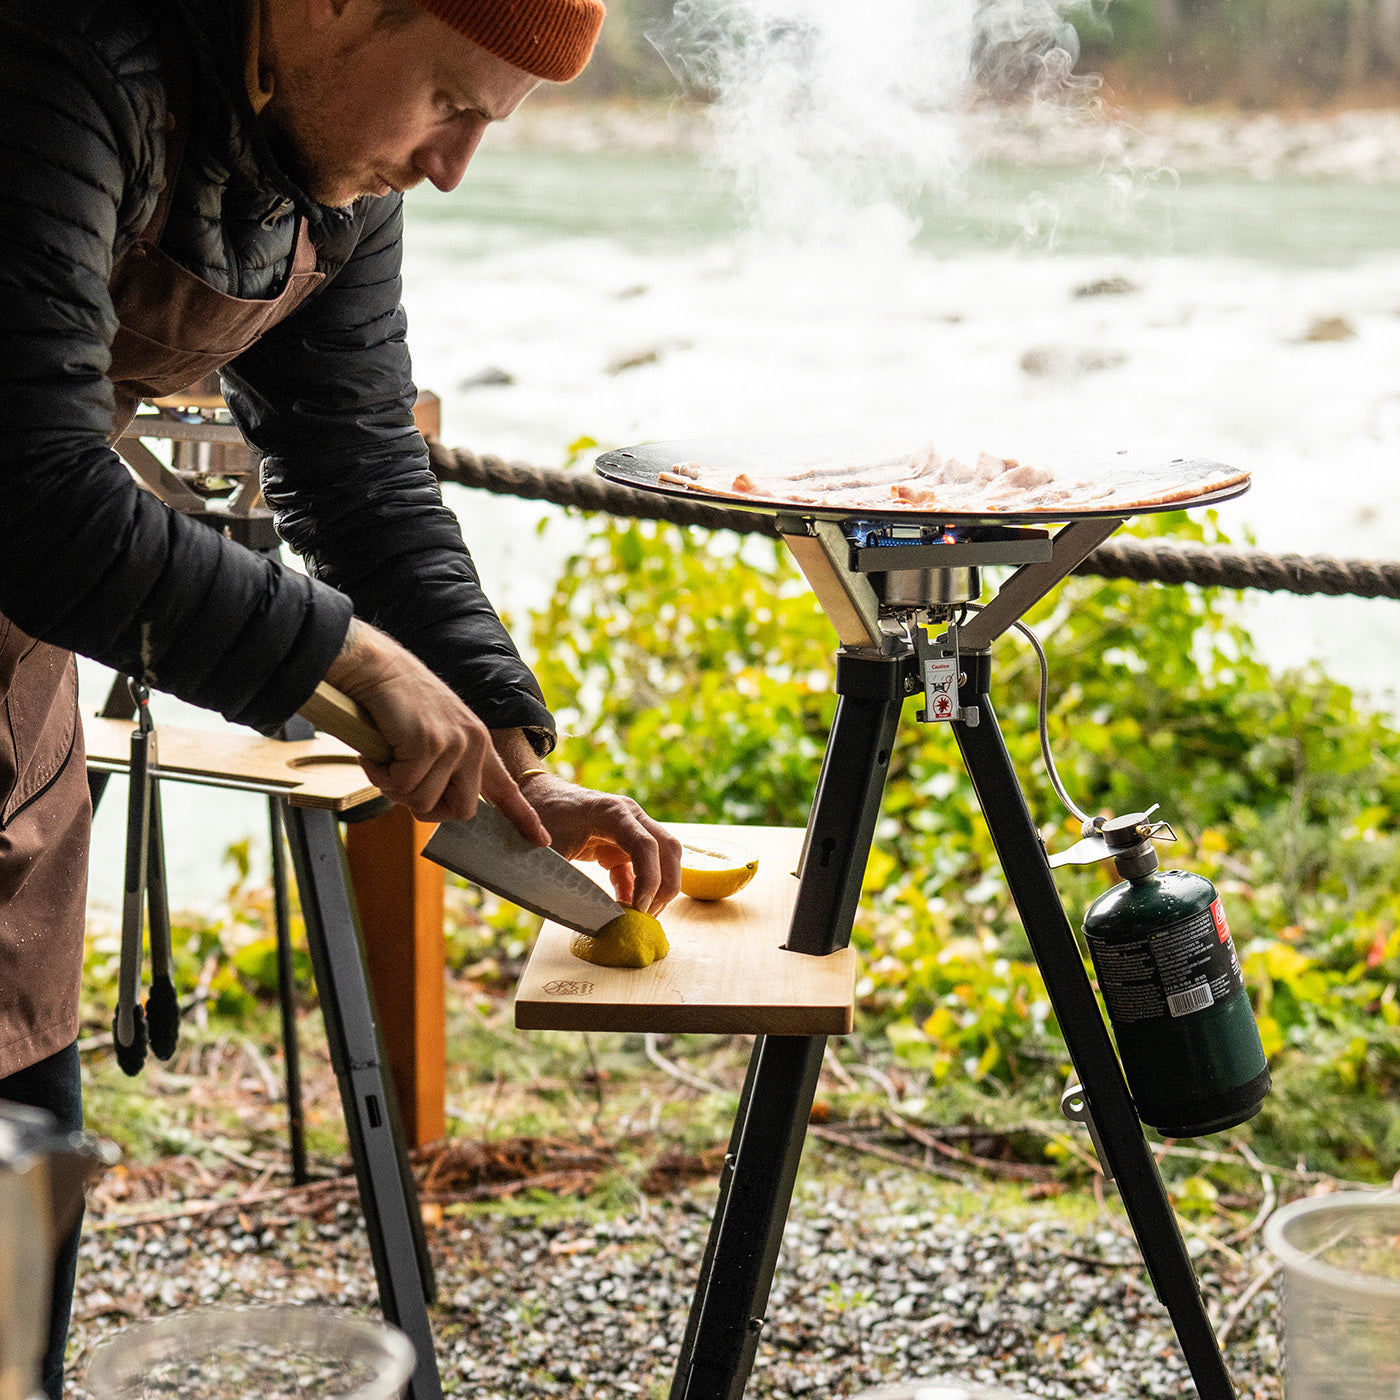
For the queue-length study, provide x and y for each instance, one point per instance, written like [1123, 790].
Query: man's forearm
[516, 751]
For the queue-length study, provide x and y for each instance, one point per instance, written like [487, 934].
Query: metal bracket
[940, 669]
[1074, 1105]
[848, 599]
[158, 479]
[1030, 583]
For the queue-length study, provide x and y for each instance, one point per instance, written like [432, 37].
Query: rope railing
[1161, 561]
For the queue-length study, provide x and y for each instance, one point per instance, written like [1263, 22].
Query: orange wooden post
[401, 912]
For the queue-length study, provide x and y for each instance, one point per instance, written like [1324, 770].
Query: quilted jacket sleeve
[87, 560]
[328, 395]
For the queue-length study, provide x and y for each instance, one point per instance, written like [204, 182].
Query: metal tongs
[159, 1024]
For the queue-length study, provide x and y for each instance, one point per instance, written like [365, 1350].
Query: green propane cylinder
[1171, 980]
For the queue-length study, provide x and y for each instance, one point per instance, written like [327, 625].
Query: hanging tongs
[145, 891]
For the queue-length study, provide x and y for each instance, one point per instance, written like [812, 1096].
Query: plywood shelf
[727, 971]
[319, 773]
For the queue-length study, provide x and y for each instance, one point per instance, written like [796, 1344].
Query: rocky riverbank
[1356, 144]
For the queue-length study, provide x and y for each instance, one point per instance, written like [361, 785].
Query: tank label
[1182, 968]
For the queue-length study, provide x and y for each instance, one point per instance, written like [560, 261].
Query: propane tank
[1171, 980]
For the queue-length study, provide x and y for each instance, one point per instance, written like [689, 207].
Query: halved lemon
[715, 869]
[633, 939]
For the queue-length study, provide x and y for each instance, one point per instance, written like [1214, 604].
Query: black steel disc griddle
[641, 466]
[885, 589]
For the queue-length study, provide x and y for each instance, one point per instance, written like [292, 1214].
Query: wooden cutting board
[726, 973]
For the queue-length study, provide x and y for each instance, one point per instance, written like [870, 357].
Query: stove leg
[765, 1147]
[760, 1169]
[1028, 875]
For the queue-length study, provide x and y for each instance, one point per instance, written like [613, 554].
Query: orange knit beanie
[550, 38]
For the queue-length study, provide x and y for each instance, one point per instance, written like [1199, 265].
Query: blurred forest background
[1246, 53]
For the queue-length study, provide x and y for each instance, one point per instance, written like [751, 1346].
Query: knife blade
[490, 852]
[486, 848]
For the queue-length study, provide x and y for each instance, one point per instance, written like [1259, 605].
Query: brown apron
[172, 330]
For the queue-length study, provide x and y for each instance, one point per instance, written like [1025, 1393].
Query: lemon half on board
[715, 869]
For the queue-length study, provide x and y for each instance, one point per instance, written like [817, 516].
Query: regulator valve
[1128, 839]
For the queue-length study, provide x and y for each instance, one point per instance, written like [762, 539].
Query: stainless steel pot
[42, 1176]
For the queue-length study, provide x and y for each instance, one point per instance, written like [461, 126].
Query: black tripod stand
[876, 671]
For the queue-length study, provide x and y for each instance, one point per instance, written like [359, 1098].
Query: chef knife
[485, 848]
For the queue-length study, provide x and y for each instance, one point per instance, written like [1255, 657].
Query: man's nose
[443, 158]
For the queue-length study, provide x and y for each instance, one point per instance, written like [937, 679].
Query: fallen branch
[1063, 1139]
[239, 1159]
[568, 1182]
[1227, 1325]
[1203, 1154]
[885, 1154]
[1016, 1171]
[1266, 1206]
[677, 1072]
[211, 1207]
[1122, 1231]
[838, 1071]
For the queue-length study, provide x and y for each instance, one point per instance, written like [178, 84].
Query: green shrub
[701, 677]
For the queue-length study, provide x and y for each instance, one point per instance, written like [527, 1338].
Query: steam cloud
[837, 117]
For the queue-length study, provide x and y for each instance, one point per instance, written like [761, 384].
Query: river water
[625, 298]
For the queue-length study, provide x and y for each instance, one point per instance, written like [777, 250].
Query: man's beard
[305, 139]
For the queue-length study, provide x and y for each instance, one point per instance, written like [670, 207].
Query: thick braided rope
[585, 490]
[1224, 566]
[1161, 561]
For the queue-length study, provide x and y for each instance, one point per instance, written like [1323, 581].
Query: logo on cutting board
[568, 989]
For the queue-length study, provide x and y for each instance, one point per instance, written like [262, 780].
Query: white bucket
[277, 1353]
[1341, 1295]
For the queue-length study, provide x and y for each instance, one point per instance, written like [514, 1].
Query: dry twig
[832, 1063]
[1227, 1325]
[677, 1072]
[1016, 1171]
[885, 1154]
[240, 1202]
[1266, 1206]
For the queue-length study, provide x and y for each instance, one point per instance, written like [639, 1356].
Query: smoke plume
[836, 118]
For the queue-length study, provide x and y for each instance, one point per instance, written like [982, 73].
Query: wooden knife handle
[340, 716]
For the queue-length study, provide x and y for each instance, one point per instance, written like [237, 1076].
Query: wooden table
[319, 773]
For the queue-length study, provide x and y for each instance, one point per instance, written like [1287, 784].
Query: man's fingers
[459, 800]
[668, 866]
[441, 790]
[500, 789]
[655, 859]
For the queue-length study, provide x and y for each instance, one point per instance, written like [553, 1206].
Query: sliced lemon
[715, 870]
[633, 939]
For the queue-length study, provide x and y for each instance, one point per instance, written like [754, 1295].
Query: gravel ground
[884, 1278]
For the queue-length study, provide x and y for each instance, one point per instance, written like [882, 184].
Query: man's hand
[443, 754]
[642, 858]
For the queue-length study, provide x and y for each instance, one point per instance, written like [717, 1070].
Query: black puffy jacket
[90, 562]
